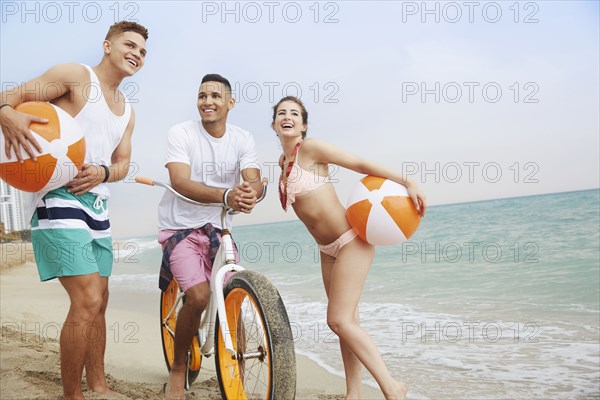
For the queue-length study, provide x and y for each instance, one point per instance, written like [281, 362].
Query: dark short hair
[126, 26]
[216, 78]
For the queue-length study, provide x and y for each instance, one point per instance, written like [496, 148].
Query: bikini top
[297, 182]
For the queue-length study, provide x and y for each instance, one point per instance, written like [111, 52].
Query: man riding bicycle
[205, 160]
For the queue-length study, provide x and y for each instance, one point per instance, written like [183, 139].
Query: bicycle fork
[220, 306]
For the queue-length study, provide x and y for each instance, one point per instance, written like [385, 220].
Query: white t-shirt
[215, 162]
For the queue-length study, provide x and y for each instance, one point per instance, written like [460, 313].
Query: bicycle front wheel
[169, 310]
[264, 364]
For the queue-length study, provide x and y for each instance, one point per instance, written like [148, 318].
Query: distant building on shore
[12, 208]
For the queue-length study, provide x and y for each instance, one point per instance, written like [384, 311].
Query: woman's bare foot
[353, 396]
[398, 392]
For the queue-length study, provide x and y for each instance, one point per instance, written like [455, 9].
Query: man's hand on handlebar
[242, 198]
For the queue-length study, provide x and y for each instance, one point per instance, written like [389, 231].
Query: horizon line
[437, 205]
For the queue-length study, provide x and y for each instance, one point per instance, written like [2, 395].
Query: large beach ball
[62, 156]
[381, 212]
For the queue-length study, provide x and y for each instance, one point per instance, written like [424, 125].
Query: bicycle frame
[224, 262]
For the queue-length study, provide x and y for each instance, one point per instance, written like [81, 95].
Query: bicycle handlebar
[145, 181]
[264, 182]
[152, 182]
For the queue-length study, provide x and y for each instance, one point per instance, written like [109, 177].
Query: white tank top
[102, 129]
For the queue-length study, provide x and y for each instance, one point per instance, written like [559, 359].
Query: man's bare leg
[85, 293]
[94, 363]
[188, 322]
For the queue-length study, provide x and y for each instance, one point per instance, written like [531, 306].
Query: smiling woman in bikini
[345, 258]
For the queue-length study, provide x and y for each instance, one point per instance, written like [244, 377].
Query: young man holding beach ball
[70, 227]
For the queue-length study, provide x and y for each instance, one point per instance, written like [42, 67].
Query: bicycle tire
[258, 322]
[167, 300]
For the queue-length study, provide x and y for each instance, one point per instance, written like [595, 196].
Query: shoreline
[32, 314]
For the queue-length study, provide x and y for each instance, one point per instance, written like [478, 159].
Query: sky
[472, 100]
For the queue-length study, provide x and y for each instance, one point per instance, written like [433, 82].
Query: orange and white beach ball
[62, 156]
[381, 212]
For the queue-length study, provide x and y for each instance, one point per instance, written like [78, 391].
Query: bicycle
[254, 351]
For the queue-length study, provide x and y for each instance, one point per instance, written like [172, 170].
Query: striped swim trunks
[71, 235]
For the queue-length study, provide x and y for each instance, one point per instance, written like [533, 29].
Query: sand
[32, 313]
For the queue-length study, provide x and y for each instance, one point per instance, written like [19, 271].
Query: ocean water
[490, 300]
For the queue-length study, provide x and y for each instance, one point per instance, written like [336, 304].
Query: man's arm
[250, 171]
[54, 83]
[241, 197]
[252, 176]
[91, 176]
[180, 175]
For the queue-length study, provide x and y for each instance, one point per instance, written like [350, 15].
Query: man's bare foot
[98, 383]
[78, 396]
[175, 387]
[104, 392]
[398, 392]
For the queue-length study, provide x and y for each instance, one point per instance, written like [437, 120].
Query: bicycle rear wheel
[168, 322]
[264, 366]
